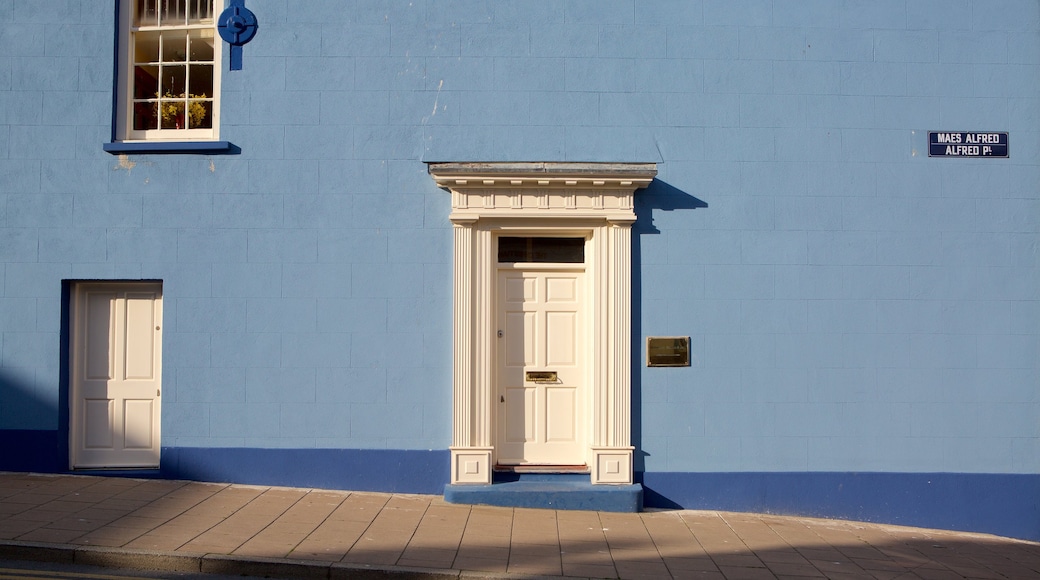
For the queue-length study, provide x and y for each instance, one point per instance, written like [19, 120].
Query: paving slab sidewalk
[310, 533]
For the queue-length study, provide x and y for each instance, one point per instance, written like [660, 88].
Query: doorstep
[559, 491]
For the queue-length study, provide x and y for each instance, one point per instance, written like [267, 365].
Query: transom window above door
[541, 250]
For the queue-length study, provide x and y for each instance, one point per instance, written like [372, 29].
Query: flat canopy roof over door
[542, 189]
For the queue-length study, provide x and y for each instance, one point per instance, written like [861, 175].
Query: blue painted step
[560, 491]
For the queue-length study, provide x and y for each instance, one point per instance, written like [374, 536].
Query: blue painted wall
[854, 305]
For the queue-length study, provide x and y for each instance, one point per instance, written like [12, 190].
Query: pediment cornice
[542, 189]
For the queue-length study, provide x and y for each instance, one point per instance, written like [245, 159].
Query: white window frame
[125, 67]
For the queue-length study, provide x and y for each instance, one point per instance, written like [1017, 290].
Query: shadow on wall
[658, 196]
[26, 449]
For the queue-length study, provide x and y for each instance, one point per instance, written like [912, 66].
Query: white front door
[541, 365]
[115, 373]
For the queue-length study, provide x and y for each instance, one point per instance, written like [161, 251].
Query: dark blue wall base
[349, 469]
[30, 450]
[1002, 504]
[387, 470]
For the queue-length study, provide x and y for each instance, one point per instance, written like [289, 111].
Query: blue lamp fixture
[237, 26]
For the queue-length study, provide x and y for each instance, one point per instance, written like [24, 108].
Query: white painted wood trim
[612, 465]
[550, 198]
[471, 465]
[462, 434]
[619, 328]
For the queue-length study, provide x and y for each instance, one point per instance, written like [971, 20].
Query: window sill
[213, 147]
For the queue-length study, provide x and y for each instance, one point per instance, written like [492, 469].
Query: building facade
[395, 245]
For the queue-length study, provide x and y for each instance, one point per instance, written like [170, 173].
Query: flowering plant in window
[171, 109]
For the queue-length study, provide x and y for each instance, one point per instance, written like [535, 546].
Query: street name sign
[967, 144]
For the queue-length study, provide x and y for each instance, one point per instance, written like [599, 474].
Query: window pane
[200, 81]
[145, 13]
[174, 47]
[172, 114]
[146, 47]
[171, 12]
[200, 11]
[146, 82]
[172, 84]
[201, 48]
[199, 114]
[554, 250]
[146, 116]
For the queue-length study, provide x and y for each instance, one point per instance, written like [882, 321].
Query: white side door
[541, 366]
[114, 419]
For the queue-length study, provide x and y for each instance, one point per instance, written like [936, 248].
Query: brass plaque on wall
[667, 351]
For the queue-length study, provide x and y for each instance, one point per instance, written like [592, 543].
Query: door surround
[550, 199]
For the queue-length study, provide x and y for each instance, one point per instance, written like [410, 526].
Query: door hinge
[157, 392]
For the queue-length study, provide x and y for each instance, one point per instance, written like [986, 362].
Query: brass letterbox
[541, 377]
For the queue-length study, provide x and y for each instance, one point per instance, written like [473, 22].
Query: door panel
[561, 328]
[519, 403]
[520, 328]
[559, 414]
[137, 418]
[98, 415]
[561, 290]
[100, 332]
[540, 315]
[116, 370]
[140, 337]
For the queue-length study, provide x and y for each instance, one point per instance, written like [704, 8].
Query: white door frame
[119, 386]
[552, 199]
